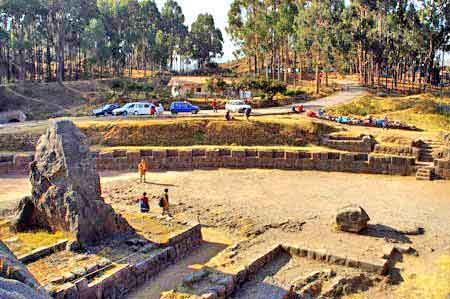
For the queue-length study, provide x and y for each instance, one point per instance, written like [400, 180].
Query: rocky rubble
[15, 280]
[66, 192]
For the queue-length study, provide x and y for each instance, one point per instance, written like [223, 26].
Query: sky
[219, 10]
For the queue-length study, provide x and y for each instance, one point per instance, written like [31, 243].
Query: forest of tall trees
[376, 39]
[48, 40]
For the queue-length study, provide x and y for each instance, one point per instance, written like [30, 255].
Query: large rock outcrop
[352, 218]
[66, 193]
[15, 280]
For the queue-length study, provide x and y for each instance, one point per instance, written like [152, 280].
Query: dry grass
[426, 280]
[419, 110]
[264, 131]
[22, 243]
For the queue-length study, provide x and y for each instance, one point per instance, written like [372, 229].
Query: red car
[298, 108]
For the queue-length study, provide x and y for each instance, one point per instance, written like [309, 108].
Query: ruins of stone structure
[352, 219]
[15, 280]
[66, 193]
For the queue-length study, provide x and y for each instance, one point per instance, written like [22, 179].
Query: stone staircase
[425, 173]
[429, 149]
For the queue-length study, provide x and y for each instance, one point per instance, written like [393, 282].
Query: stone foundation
[442, 168]
[127, 277]
[363, 144]
[404, 151]
[225, 283]
[120, 160]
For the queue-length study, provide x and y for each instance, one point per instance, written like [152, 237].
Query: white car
[137, 108]
[237, 106]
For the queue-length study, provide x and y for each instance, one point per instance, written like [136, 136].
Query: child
[143, 203]
[164, 202]
[142, 167]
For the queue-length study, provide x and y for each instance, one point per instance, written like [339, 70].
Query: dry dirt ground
[274, 206]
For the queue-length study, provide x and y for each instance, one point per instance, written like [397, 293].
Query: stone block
[106, 155]
[159, 154]
[119, 153]
[347, 157]
[304, 155]
[133, 158]
[185, 155]
[278, 154]
[292, 155]
[198, 153]
[265, 154]
[224, 152]
[238, 153]
[333, 156]
[146, 153]
[251, 153]
[172, 153]
[6, 158]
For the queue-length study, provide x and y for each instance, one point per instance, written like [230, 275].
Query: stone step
[425, 174]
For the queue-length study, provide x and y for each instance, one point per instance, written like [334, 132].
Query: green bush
[295, 92]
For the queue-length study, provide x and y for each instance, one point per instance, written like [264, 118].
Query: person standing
[142, 168]
[143, 203]
[164, 202]
[214, 105]
[228, 116]
[153, 110]
[248, 112]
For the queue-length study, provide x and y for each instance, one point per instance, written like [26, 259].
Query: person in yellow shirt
[142, 167]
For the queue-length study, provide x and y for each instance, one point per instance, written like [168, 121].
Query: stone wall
[121, 160]
[358, 145]
[19, 141]
[125, 278]
[442, 168]
[404, 151]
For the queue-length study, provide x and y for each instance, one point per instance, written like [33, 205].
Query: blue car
[105, 110]
[183, 107]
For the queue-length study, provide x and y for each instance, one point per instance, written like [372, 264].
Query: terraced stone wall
[120, 160]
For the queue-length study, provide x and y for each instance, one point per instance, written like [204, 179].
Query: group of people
[247, 113]
[143, 200]
[368, 121]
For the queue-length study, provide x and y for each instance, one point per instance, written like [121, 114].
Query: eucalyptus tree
[206, 40]
[174, 30]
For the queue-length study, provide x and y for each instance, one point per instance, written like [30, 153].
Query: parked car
[137, 108]
[237, 106]
[180, 107]
[105, 110]
[298, 108]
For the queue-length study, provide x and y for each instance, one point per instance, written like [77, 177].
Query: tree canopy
[48, 40]
[374, 39]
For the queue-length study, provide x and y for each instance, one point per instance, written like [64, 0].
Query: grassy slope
[265, 131]
[419, 110]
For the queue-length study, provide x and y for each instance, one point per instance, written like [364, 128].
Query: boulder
[352, 219]
[66, 193]
[15, 280]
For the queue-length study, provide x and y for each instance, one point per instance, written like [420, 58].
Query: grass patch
[22, 243]
[419, 110]
[264, 131]
[432, 283]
